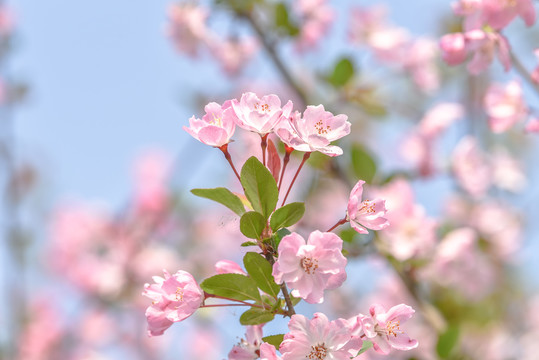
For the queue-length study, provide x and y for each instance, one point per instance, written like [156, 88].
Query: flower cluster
[483, 21]
[284, 260]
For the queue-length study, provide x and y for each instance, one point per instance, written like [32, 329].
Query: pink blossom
[216, 127]
[268, 352]
[316, 18]
[259, 115]
[310, 267]
[367, 213]
[187, 27]
[316, 339]
[458, 264]
[233, 54]
[535, 73]
[507, 171]
[174, 298]
[484, 46]
[315, 131]
[384, 328]
[472, 11]
[505, 106]
[533, 125]
[471, 168]
[228, 267]
[413, 235]
[151, 175]
[499, 14]
[454, 49]
[421, 63]
[248, 348]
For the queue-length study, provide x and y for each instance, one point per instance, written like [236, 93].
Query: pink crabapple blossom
[383, 328]
[174, 298]
[314, 131]
[228, 267]
[471, 168]
[533, 125]
[318, 339]
[259, 115]
[216, 127]
[268, 352]
[367, 213]
[481, 44]
[505, 106]
[499, 13]
[248, 348]
[310, 267]
[187, 27]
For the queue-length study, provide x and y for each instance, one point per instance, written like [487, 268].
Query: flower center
[321, 129]
[393, 328]
[368, 207]
[318, 352]
[217, 121]
[179, 294]
[309, 265]
[262, 107]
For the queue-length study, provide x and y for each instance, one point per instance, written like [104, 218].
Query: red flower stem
[224, 149]
[342, 221]
[305, 157]
[263, 145]
[286, 159]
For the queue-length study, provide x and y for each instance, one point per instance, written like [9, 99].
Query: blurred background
[96, 169]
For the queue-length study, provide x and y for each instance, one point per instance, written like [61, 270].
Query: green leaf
[234, 286]
[274, 340]
[288, 215]
[447, 341]
[252, 224]
[248, 243]
[347, 235]
[363, 164]
[259, 269]
[255, 316]
[342, 73]
[222, 196]
[282, 20]
[366, 346]
[259, 186]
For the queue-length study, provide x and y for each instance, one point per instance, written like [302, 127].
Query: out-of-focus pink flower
[413, 235]
[471, 10]
[533, 125]
[259, 115]
[535, 73]
[201, 343]
[316, 17]
[483, 45]
[187, 27]
[42, 333]
[365, 214]
[315, 130]
[248, 348]
[471, 168]
[454, 49]
[458, 264]
[233, 54]
[418, 147]
[316, 339]
[507, 172]
[268, 352]
[310, 267]
[174, 298]
[499, 14]
[151, 175]
[216, 127]
[366, 20]
[421, 63]
[228, 267]
[505, 106]
[383, 328]
[6, 20]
